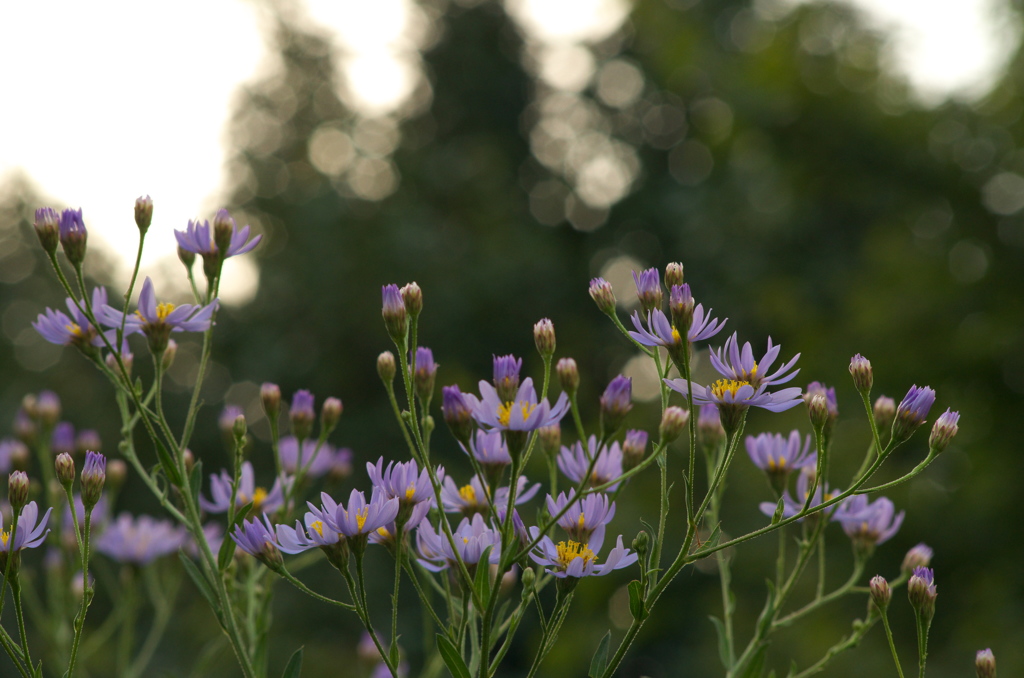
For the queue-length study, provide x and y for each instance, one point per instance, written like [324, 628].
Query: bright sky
[107, 100]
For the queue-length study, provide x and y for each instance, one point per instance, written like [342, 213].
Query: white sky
[107, 100]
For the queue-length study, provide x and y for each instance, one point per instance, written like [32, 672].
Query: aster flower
[75, 330]
[912, 412]
[739, 365]
[648, 289]
[573, 559]
[157, 321]
[458, 408]
[521, 413]
[506, 375]
[73, 235]
[360, 518]
[585, 519]
[490, 450]
[661, 332]
[316, 461]
[471, 538]
[472, 498]
[791, 506]
[868, 524]
[140, 540]
[778, 456]
[199, 238]
[30, 533]
[256, 537]
[574, 463]
[404, 481]
[316, 534]
[220, 492]
[385, 536]
[733, 398]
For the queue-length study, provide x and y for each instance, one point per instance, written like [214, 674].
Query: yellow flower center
[258, 497]
[163, 310]
[361, 518]
[581, 521]
[4, 536]
[383, 532]
[571, 550]
[676, 338]
[410, 491]
[779, 465]
[723, 386]
[505, 411]
[468, 494]
[318, 526]
[74, 329]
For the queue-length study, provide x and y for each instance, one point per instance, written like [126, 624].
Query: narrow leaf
[636, 601]
[482, 581]
[779, 508]
[723, 646]
[200, 581]
[452, 659]
[600, 659]
[167, 464]
[294, 666]
[196, 480]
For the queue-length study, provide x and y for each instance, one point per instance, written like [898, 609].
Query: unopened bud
[912, 412]
[680, 307]
[616, 402]
[863, 376]
[673, 275]
[330, 413]
[885, 412]
[386, 367]
[270, 397]
[126, 359]
[395, 314]
[412, 297]
[47, 408]
[143, 212]
[648, 289]
[65, 467]
[985, 664]
[117, 471]
[169, 354]
[457, 408]
[602, 294]
[710, 431]
[17, 452]
[238, 427]
[47, 228]
[223, 230]
[188, 258]
[922, 592]
[634, 447]
[550, 439]
[528, 578]
[301, 414]
[73, 235]
[425, 374]
[544, 337]
[568, 375]
[640, 543]
[94, 475]
[881, 594]
[673, 423]
[189, 459]
[943, 431]
[17, 489]
[817, 410]
[918, 556]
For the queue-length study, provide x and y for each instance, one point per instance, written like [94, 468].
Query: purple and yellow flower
[506, 375]
[385, 536]
[458, 408]
[739, 365]
[490, 450]
[573, 559]
[522, 412]
[30, 533]
[575, 463]
[868, 524]
[648, 288]
[76, 330]
[199, 238]
[661, 332]
[584, 520]
[912, 412]
[317, 533]
[473, 498]
[220, 492]
[471, 538]
[140, 540]
[256, 537]
[402, 481]
[360, 518]
[777, 455]
[157, 321]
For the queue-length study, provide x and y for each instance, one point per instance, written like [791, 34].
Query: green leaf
[452, 659]
[756, 666]
[167, 464]
[482, 581]
[636, 600]
[227, 547]
[394, 654]
[600, 659]
[294, 666]
[779, 508]
[196, 481]
[723, 643]
[200, 581]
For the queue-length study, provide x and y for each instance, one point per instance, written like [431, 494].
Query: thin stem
[892, 644]
[86, 588]
[290, 578]
[19, 613]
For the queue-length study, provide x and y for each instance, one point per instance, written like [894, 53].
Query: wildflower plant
[455, 533]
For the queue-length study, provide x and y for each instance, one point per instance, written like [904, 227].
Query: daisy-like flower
[472, 498]
[868, 524]
[912, 412]
[777, 455]
[202, 239]
[74, 330]
[522, 413]
[256, 537]
[585, 519]
[574, 462]
[220, 492]
[386, 535]
[316, 534]
[157, 321]
[739, 365]
[30, 533]
[471, 538]
[140, 540]
[648, 289]
[661, 332]
[402, 481]
[573, 559]
[458, 408]
[359, 518]
[488, 448]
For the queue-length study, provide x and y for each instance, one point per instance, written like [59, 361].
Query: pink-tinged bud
[117, 471]
[412, 297]
[65, 467]
[47, 228]
[386, 367]
[187, 257]
[922, 592]
[73, 235]
[143, 212]
[680, 306]
[550, 439]
[817, 410]
[94, 475]
[424, 376]
[673, 423]
[943, 431]
[881, 594]
[223, 230]
[648, 289]
[127, 359]
[918, 556]
[169, 354]
[330, 413]
[673, 275]
[985, 664]
[270, 396]
[47, 408]
[17, 490]
[616, 402]
[189, 458]
[301, 414]
[568, 375]
[458, 413]
[863, 376]
[885, 412]
[544, 337]
[912, 412]
[238, 427]
[395, 314]
[634, 447]
[602, 294]
[710, 432]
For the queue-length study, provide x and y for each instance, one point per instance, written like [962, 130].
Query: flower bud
[922, 593]
[680, 306]
[648, 289]
[330, 413]
[885, 412]
[528, 578]
[550, 440]
[985, 664]
[602, 294]
[270, 396]
[568, 375]
[47, 228]
[223, 230]
[17, 489]
[46, 408]
[412, 297]
[117, 471]
[169, 354]
[860, 370]
[817, 410]
[640, 543]
[912, 412]
[94, 475]
[87, 439]
[426, 371]
[710, 432]
[544, 337]
[673, 275]
[65, 467]
[127, 359]
[506, 376]
[633, 449]
[918, 556]
[827, 413]
[73, 235]
[189, 459]
[458, 413]
[943, 431]
[301, 414]
[186, 257]
[238, 427]
[386, 367]
[143, 212]
[881, 594]
[226, 422]
[394, 313]
[673, 423]
[616, 402]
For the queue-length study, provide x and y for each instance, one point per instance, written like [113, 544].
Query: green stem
[892, 644]
[86, 588]
[19, 613]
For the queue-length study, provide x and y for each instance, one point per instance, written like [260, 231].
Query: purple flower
[472, 498]
[791, 506]
[394, 314]
[777, 455]
[922, 592]
[471, 538]
[490, 450]
[585, 519]
[73, 235]
[157, 321]
[198, 237]
[140, 540]
[94, 475]
[360, 518]
[829, 393]
[573, 559]
[220, 492]
[734, 397]
[256, 537]
[912, 412]
[946, 426]
[660, 332]
[458, 408]
[63, 438]
[739, 365]
[317, 458]
[868, 524]
[616, 402]
[521, 413]
[574, 463]
[30, 533]
[316, 534]
[385, 536]
[506, 375]
[648, 289]
[404, 481]
[58, 328]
